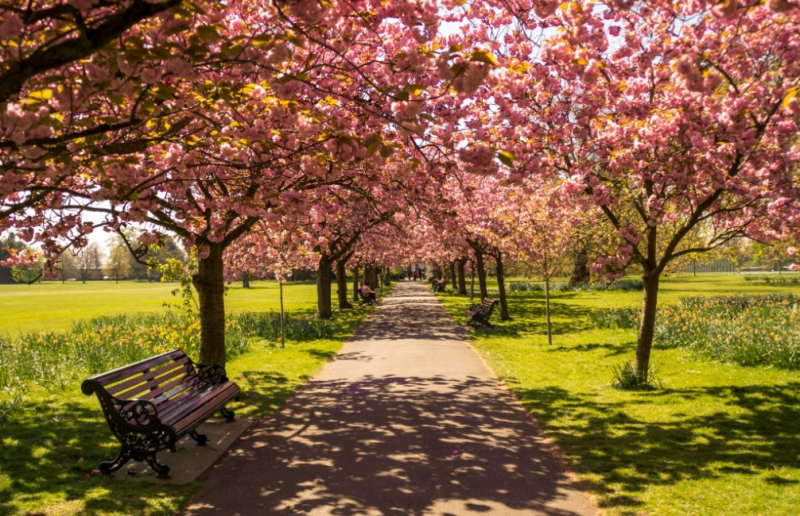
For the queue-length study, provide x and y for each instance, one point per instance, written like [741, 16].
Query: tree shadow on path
[392, 446]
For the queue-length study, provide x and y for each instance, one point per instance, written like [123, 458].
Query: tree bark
[370, 277]
[324, 310]
[453, 281]
[209, 281]
[648, 323]
[501, 284]
[245, 280]
[462, 280]
[580, 270]
[472, 283]
[481, 268]
[341, 284]
[356, 286]
[547, 308]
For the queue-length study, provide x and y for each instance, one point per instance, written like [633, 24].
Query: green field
[717, 439]
[53, 437]
[53, 306]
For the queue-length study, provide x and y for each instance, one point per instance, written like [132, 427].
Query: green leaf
[177, 29]
[507, 158]
[208, 33]
[45, 94]
[483, 56]
[264, 39]
[414, 89]
[165, 92]
[373, 143]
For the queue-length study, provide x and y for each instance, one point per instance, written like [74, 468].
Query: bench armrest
[212, 373]
[138, 413]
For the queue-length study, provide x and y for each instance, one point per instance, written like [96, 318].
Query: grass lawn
[718, 439]
[52, 440]
[54, 305]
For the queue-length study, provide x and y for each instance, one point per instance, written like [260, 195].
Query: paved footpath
[407, 420]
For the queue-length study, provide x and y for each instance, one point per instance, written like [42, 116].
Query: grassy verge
[717, 439]
[55, 305]
[53, 439]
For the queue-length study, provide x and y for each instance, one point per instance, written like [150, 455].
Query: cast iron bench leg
[229, 415]
[122, 458]
[161, 469]
[200, 439]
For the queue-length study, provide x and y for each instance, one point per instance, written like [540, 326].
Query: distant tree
[139, 269]
[28, 273]
[118, 263]
[68, 268]
[88, 262]
[773, 255]
[6, 245]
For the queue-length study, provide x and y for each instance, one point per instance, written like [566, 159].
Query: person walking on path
[406, 421]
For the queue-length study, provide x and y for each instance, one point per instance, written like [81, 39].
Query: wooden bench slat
[168, 387]
[151, 377]
[175, 411]
[154, 384]
[124, 372]
[166, 407]
[167, 391]
[204, 406]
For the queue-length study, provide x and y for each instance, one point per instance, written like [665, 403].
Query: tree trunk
[501, 284]
[356, 286]
[547, 308]
[341, 285]
[245, 280]
[324, 310]
[472, 284]
[580, 270]
[481, 268]
[453, 282]
[462, 280]
[370, 277]
[209, 281]
[648, 323]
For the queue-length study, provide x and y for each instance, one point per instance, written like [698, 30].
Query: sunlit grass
[717, 439]
[55, 305]
[53, 438]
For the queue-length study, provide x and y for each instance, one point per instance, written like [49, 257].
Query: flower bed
[746, 330]
[54, 359]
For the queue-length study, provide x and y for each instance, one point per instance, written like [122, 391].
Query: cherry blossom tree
[544, 230]
[674, 119]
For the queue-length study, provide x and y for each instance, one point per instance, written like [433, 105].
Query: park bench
[479, 314]
[151, 404]
[365, 299]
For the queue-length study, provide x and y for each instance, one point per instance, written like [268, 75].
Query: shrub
[747, 330]
[54, 359]
[627, 378]
[564, 286]
[525, 286]
[615, 318]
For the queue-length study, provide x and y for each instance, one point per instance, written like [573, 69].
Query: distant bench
[151, 404]
[479, 314]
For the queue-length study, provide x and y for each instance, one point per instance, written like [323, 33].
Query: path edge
[547, 440]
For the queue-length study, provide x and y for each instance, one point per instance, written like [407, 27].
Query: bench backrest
[155, 379]
[486, 305]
